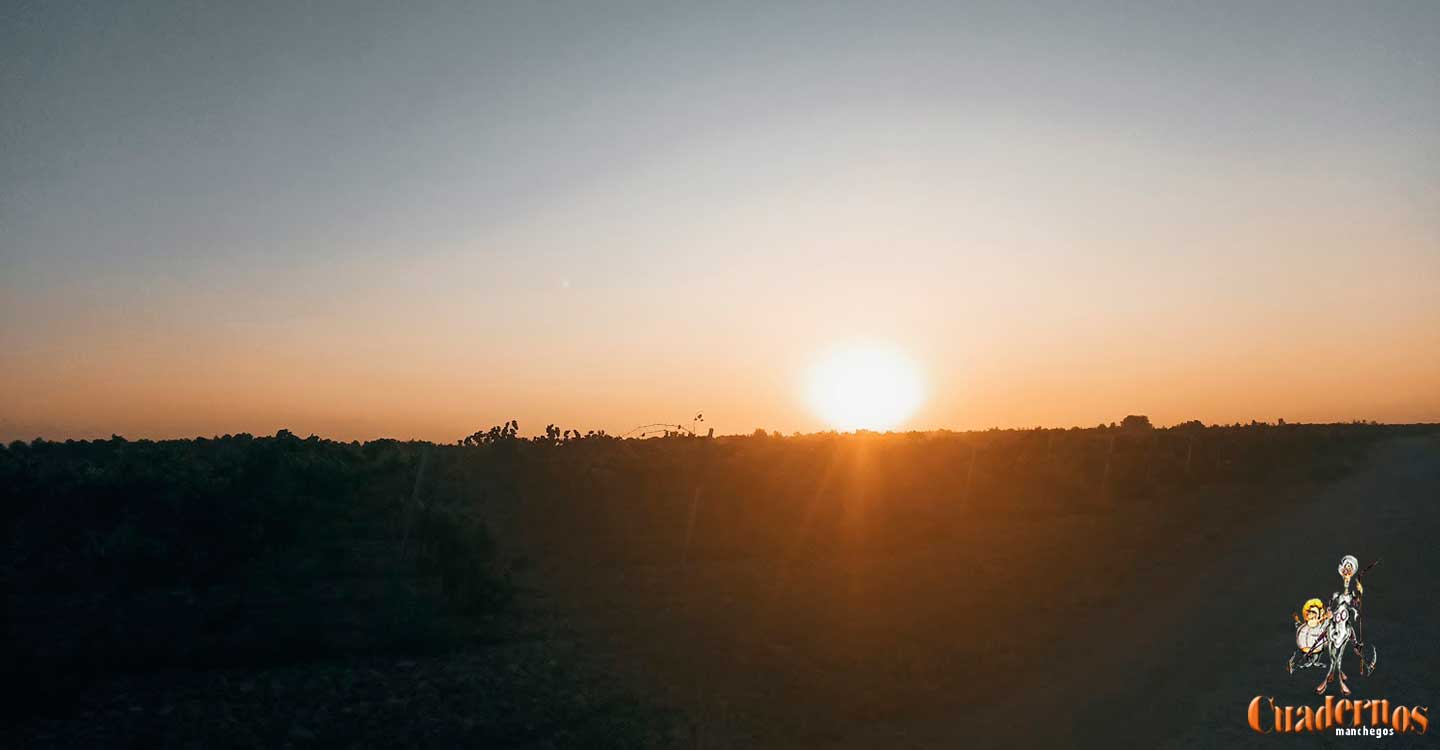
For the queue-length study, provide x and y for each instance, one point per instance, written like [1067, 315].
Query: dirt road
[1145, 625]
[1183, 667]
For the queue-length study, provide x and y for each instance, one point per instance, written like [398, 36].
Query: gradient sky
[418, 222]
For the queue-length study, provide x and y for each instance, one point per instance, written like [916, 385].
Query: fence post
[1105, 480]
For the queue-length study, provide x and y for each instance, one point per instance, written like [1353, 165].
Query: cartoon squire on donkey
[1329, 631]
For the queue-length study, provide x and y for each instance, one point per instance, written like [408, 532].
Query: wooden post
[1105, 480]
[410, 507]
[971, 473]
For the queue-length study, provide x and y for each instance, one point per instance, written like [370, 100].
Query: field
[864, 590]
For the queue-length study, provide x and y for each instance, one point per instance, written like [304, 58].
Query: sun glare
[865, 388]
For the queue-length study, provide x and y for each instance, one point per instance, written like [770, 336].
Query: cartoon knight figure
[1342, 631]
[1349, 571]
[1309, 636]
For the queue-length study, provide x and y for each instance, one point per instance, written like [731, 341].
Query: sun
[865, 387]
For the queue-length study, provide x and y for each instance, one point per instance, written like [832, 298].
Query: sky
[419, 220]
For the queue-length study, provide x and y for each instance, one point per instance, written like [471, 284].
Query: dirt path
[1189, 662]
[1149, 625]
[1207, 631]
[1206, 626]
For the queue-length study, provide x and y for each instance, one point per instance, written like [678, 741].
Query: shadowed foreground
[1003, 588]
[940, 608]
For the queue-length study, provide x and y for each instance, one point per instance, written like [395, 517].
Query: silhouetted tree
[1136, 422]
